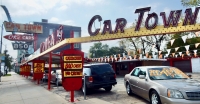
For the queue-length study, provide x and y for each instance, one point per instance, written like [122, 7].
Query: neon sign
[172, 20]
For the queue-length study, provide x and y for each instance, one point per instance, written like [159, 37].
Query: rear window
[101, 69]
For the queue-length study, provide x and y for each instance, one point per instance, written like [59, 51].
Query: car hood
[180, 84]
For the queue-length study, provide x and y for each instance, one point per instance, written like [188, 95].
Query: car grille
[193, 95]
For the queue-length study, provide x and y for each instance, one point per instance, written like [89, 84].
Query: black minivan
[98, 75]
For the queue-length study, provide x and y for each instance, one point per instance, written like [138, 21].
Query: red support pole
[72, 96]
[72, 36]
[49, 77]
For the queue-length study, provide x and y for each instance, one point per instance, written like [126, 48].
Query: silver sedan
[162, 85]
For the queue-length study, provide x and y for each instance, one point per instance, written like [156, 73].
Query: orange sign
[38, 67]
[72, 73]
[24, 28]
[72, 65]
[72, 58]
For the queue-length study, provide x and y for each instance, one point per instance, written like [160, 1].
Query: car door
[133, 80]
[141, 84]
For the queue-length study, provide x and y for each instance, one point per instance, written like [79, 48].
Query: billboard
[20, 46]
[23, 28]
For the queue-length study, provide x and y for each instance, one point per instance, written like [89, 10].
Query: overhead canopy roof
[130, 32]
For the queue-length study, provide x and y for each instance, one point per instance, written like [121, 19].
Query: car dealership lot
[117, 95]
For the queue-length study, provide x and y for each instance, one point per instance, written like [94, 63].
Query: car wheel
[108, 88]
[128, 89]
[154, 98]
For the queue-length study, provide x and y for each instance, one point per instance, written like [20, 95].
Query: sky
[79, 13]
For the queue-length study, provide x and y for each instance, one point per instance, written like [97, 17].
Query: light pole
[1, 49]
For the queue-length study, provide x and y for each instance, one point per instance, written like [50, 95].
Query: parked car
[162, 84]
[56, 76]
[98, 75]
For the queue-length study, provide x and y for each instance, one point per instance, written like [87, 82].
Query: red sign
[38, 69]
[19, 37]
[72, 68]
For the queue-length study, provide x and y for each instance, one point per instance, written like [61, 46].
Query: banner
[187, 47]
[176, 49]
[172, 41]
[184, 38]
[180, 53]
[196, 45]
[168, 51]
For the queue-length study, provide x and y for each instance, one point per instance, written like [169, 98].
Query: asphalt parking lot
[116, 96]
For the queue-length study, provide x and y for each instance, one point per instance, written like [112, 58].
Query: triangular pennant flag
[187, 52]
[195, 51]
[172, 41]
[176, 49]
[160, 56]
[195, 54]
[184, 38]
[187, 47]
[173, 54]
[168, 51]
[135, 56]
[197, 34]
[147, 54]
[130, 57]
[159, 52]
[196, 45]
[176, 55]
[180, 53]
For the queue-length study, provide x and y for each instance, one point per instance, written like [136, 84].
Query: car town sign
[171, 21]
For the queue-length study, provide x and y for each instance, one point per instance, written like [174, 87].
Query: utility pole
[1, 49]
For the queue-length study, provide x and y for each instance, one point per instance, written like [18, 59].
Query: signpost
[38, 69]
[72, 66]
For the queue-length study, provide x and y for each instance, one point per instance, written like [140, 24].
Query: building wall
[48, 28]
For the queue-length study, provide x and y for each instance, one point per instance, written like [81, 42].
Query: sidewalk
[16, 89]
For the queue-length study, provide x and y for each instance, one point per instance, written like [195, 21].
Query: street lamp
[1, 49]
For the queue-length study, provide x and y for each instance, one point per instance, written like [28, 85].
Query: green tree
[99, 50]
[190, 3]
[8, 60]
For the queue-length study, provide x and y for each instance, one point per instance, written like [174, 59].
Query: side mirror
[142, 76]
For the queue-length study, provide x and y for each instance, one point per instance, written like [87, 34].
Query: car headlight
[174, 94]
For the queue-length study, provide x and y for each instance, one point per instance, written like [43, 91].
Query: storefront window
[76, 35]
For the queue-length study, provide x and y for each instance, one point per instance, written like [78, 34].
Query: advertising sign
[20, 46]
[38, 69]
[19, 37]
[23, 28]
[72, 67]
[27, 69]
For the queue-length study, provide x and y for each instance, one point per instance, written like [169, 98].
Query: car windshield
[102, 69]
[165, 73]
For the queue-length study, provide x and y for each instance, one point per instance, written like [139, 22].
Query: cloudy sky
[79, 13]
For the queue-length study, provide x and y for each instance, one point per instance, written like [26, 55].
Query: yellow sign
[168, 72]
[72, 65]
[72, 73]
[24, 28]
[72, 58]
[38, 67]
